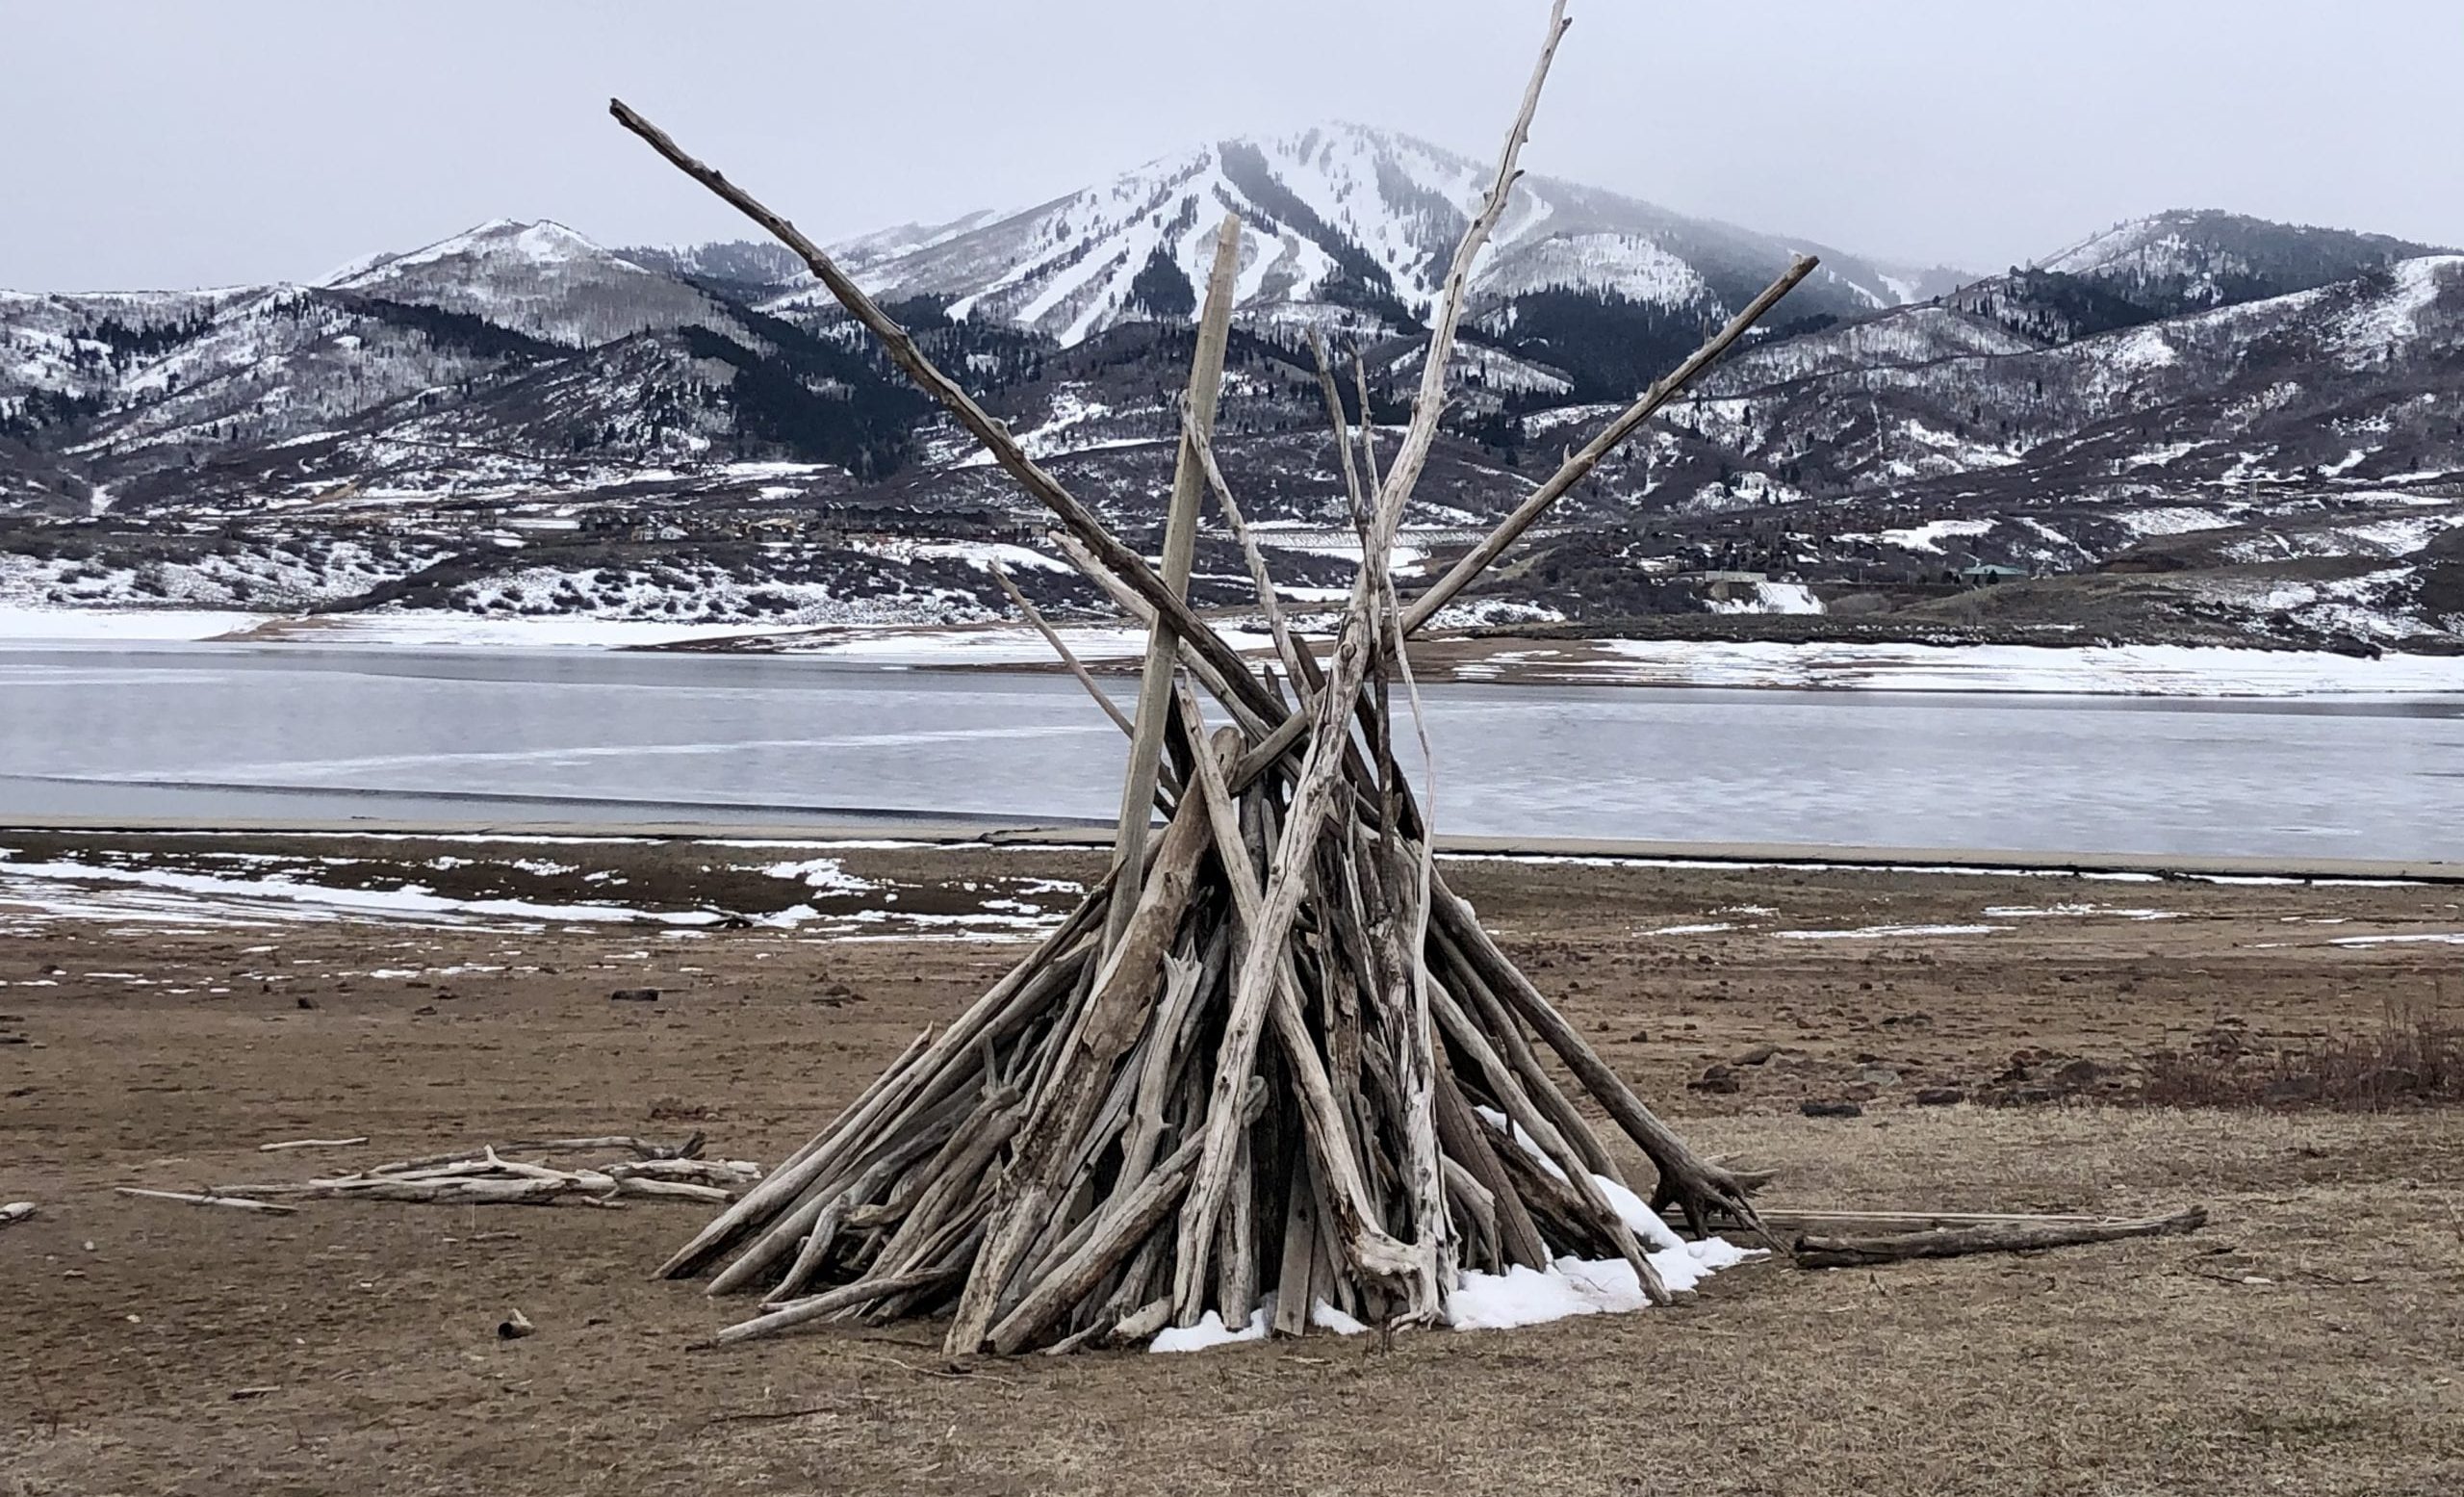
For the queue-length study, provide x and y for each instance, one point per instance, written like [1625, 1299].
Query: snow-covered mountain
[2266, 407]
[2215, 257]
[542, 279]
[522, 349]
[1345, 226]
[542, 352]
[2174, 262]
[61, 349]
[2360, 380]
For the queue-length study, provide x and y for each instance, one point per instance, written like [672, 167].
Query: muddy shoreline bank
[2306, 1336]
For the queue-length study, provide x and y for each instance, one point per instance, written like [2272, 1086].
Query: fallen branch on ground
[214, 1199]
[484, 1177]
[2006, 1236]
[1890, 1224]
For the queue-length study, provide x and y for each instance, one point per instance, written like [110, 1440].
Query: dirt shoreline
[959, 834]
[2307, 1339]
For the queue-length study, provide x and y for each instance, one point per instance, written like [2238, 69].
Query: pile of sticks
[1272, 1054]
[484, 1177]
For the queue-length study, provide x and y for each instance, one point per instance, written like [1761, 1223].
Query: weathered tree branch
[1180, 547]
[1992, 1237]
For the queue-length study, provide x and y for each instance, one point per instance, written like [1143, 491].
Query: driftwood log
[1272, 1059]
[2012, 1235]
[484, 1177]
[207, 1199]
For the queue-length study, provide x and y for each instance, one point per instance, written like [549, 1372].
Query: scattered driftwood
[485, 1177]
[639, 1149]
[16, 1211]
[207, 1199]
[1885, 1224]
[310, 1142]
[2010, 1234]
[491, 1180]
[1272, 1053]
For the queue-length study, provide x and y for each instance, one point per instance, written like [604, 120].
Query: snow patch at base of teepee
[1572, 1286]
[1501, 1302]
[1210, 1331]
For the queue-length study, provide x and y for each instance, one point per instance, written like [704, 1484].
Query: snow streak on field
[2097, 670]
[207, 889]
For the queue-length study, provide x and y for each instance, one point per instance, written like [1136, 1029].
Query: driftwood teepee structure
[1272, 1053]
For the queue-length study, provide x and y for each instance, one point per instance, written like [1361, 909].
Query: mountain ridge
[2174, 262]
[1342, 219]
[2268, 417]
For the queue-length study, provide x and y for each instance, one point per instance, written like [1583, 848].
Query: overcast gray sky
[158, 144]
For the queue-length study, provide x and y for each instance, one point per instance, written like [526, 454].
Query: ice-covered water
[222, 731]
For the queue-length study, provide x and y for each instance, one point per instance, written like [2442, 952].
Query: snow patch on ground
[1072, 410]
[2072, 912]
[243, 896]
[1522, 1295]
[2100, 670]
[60, 888]
[2172, 521]
[986, 554]
[1889, 931]
[1773, 597]
[1492, 613]
[121, 626]
[1573, 1286]
[825, 874]
[2377, 328]
[1210, 1333]
[1929, 536]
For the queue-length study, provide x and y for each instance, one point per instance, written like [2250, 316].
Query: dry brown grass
[2410, 1059]
[2306, 1341]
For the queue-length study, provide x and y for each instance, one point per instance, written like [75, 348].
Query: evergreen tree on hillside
[1161, 290]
